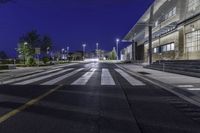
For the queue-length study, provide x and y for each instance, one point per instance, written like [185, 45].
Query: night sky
[70, 22]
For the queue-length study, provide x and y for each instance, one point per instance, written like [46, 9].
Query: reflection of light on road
[92, 60]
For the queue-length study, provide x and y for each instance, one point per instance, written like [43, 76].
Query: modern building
[168, 30]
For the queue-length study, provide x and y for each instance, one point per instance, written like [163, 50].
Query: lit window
[172, 46]
[156, 23]
[168, 47]
[155, 50]
[164, 48]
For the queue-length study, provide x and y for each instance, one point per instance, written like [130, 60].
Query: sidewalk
[186, 86]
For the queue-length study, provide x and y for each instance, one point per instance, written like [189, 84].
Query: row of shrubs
[29, 61]
[4, 67]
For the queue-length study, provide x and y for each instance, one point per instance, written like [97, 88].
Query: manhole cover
[144, 73]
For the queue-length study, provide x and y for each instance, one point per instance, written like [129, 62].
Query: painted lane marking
[106, 78]
[193, 89]
[56, 80]
[85, 78]
[185, 86]
[130, 79]
[30, 76]
[27, 105]
[41, 78]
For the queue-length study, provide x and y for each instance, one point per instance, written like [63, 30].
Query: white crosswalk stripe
[106, 78]
[193, 89]
[85, 78]
[56, 80]
[30, 76]
[130, 79]
[41, 78]
[61, 75]
[185, 86]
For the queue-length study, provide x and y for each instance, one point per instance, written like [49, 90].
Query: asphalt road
[91, 98]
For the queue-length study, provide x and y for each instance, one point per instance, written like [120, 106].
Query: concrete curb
[192, 99]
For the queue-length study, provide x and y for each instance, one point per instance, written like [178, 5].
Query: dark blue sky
[70, 22]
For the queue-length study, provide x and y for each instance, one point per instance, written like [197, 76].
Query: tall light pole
[63, 54]
[67, 51]
[84, 45]
[25, 51]
[97, 49]
[97, 46]
[117, 46]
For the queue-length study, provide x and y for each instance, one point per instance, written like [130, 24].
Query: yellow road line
[27, 105]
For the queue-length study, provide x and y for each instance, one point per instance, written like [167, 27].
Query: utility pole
[97, 49]
[67, 52]
[117, 47]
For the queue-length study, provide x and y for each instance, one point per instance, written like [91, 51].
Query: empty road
[91, 97]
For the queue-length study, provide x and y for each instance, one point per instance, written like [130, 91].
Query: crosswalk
[85, 78]
[41, 78]
[61, 76]
[106, 78]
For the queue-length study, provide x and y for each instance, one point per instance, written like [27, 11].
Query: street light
[97, 47]
[67, 51]
[25, 43]
[84, 45]
[117, 46]
[24, 53]
[63, 54]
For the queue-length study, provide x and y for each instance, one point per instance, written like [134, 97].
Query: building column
[150, 44]
[133, 51]
[150, 33]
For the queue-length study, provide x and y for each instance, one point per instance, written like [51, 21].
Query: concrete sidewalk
[186, 86]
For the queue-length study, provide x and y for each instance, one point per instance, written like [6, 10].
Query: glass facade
[193, 5]
[168, 47]
[193, 41]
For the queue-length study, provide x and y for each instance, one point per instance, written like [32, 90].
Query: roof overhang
[143, 22]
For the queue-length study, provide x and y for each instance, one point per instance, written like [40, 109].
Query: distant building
[175, 32]
[78, 55]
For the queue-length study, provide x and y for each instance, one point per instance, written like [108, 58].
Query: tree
[25, 51]
[113, 54]
[46, 44]
[28, 44]
[32, 38]
[3, 55]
